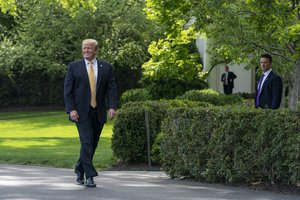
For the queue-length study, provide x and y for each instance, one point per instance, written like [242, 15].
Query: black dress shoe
[90, 182]
[79, 179]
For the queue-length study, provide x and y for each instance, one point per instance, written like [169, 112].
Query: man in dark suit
[89, 90]
[228, 81]
[269, 88]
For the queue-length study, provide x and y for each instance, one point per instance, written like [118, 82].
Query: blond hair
[90, 41]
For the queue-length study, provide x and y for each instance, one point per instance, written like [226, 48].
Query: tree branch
[290, 48]
[267, 49]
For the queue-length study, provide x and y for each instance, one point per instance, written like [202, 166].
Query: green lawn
[47, 138]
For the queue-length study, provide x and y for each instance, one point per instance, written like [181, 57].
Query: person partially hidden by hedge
[269, 87]
[228, 80]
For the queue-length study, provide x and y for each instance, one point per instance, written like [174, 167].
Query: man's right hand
[74, 115]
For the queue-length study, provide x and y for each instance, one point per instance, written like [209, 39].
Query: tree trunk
[294, 90]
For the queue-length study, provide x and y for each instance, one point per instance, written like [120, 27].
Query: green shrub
[169, 88]
[211, 96]
[137, 94]
[245, 95]
[184, 150]
[129, 140]
[232, 145]
[215, 144]
[156, 149]
[129, 132]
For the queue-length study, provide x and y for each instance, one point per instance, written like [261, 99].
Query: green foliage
[184, 149]
[211, 96]
[257, 27]
[41, 45]
[137, 94]
[72, 6]
[169, 88]
[175, 56]
[245, 95]
[129, 142]
[8, 6]
[232, 145]
[156, 149]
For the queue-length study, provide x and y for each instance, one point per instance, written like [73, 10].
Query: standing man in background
[228, 80]
[89, 90]
[269, 87]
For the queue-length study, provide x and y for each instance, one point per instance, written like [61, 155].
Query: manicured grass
[47, 138]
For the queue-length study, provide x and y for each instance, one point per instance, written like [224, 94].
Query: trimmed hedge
[129, 140]
[211, 96]
[169, 88]
[215, 144]
[232, 145]
[136, 94]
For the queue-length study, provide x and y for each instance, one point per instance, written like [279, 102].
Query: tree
[243, 29]
[175, 55]
[175, 58]
[175, 64]
[47, 38]
[72, 6]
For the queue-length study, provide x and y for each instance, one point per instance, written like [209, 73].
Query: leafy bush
[245, 95]
[232, 145]
[129, 140]
[211, 96]
[184, 149]
[216, 144]
[137, 94]
[129, 132]
[169, 88]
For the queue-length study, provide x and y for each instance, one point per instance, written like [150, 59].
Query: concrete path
[18, 182]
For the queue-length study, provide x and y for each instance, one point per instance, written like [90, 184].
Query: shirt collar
[267, 72]
[94, 61]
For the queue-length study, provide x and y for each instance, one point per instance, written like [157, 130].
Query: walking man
[89, 91]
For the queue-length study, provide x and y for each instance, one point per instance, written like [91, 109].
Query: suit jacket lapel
[84, 71]
[269, 77]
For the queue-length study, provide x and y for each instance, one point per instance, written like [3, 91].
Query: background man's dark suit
[230, 82]
[271, 92]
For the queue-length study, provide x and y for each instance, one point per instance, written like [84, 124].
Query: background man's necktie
[92, 80]
[259, 89]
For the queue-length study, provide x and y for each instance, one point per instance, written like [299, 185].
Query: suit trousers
[89, 135]
[227, 89]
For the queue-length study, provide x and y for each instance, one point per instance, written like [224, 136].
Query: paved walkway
[18, 182]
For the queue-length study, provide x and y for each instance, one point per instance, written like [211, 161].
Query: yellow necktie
[92, 80]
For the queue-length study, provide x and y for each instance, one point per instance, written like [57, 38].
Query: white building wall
[244, 82]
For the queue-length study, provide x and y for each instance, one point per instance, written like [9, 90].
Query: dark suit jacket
[271, 92]
[77, 93]
[230, 79]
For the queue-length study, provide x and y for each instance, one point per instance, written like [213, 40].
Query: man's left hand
[111, 113]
